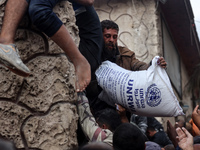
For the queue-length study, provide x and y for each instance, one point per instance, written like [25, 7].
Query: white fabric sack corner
[146, 93]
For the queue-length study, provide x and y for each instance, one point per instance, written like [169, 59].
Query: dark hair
[151, 128]
[169, 147]
[109, 117]
[108, 24]
[7, 145]
[128, 137]
[182, 121]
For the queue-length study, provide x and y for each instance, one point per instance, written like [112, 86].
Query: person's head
[96, 146]
[169, 147]
[7, 145]
[150, 131]
[108, 119]
[110, 34]
[152, 146]
[181, 123]
[128, 137]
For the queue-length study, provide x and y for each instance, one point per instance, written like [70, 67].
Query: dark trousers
[42, 16]
[91, 37]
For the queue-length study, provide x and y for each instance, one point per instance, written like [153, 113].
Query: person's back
[153, 122]
[140, 121]
[152, 146]
[169, 147]
[157, 136]
[128, 137]
[96, 146]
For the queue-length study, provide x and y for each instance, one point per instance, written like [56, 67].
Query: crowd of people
[141, 133]
[104, 127]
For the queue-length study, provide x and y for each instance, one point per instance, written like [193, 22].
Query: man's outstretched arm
[88, 122]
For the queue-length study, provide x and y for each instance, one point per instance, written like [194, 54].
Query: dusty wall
[39, 112]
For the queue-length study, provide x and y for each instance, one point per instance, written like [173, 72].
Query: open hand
[171, 131]
[122, 112]
[185, 139]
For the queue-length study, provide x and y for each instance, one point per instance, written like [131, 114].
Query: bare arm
[171, 131]
[88, 122]
[122, 112]
[196, 116]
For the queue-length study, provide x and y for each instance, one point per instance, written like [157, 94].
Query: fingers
[186, 132]
[170, 129]
[119, 107]
[161, 61]
[180, 133]
[196, 109]
[169, 123]
[176, 125]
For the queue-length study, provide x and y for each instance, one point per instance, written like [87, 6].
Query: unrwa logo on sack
[129, 95]
[153, 96]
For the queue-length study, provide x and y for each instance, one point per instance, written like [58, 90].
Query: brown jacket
[127, 60]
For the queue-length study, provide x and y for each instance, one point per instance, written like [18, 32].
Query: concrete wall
[39, 112]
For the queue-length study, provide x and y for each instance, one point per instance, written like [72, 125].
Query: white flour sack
[146, 93]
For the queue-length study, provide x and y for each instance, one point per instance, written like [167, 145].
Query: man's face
[110, 38]
[150, 133]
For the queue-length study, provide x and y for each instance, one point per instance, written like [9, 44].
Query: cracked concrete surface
[39, 112]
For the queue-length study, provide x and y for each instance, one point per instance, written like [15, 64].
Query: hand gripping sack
[146, 93]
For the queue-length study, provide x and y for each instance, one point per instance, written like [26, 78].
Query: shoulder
[125, 51]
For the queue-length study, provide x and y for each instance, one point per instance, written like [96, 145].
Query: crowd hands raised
[117, 132]
[140, 134]
[186, 139]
